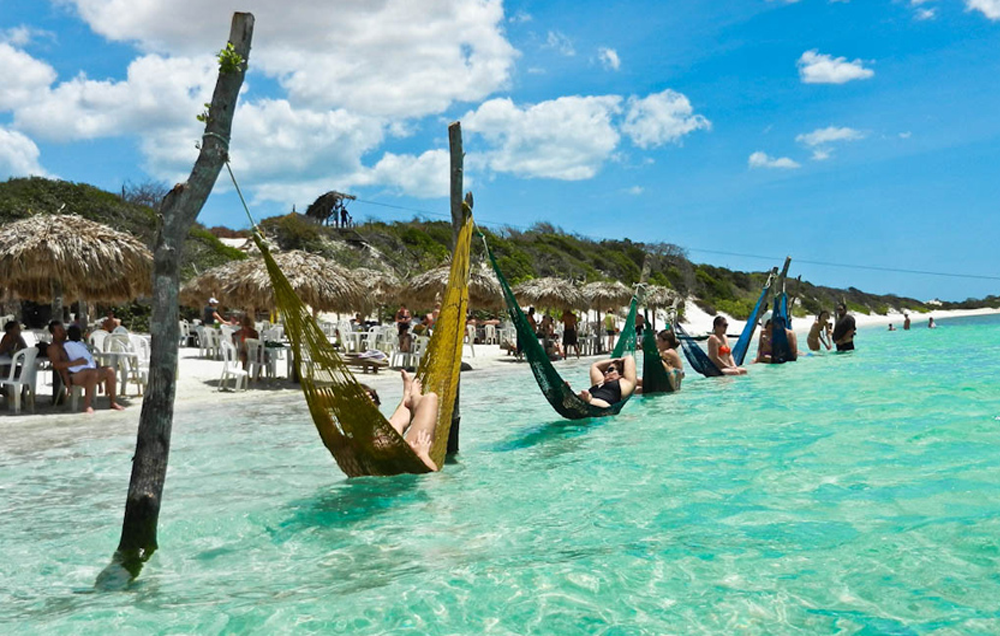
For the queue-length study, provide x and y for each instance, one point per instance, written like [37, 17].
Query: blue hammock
[743, 344]
[699, 360]
[781, 349]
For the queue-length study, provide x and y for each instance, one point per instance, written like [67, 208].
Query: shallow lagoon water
[841, 494]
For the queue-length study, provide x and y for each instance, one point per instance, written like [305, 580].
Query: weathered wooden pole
[178, 212]
[457, 170]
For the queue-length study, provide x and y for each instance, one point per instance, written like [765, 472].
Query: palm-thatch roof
[425, 289]
[550, 292]
[605, 295]
[383, 287]
[659, 297]
[49, 254]
[319, 283]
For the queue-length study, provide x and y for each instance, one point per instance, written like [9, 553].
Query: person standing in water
[906, 322]
[820, 333]
[844, 330]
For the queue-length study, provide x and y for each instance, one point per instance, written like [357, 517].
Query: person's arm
[629, 376]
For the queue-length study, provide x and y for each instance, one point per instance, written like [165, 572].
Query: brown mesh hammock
[358, 436]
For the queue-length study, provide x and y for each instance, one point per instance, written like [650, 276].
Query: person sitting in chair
[110, 323]
[415, 418]
[613, 380]
[12, 341]
[76, 365]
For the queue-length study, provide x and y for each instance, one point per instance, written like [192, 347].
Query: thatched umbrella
[550, 292]
[45, 256]
[601, 294]
[318, 282]
[382, 286]
[424, 290]
[659, 297]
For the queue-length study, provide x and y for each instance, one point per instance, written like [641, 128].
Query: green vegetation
[415, 246]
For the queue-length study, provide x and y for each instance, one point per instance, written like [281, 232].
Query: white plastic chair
[139, 367]
[257, 361]
[470, 339]
[120, 330]
[419, 349]
[491, 334]
[231, 367]
[23, 361]
[97, 339]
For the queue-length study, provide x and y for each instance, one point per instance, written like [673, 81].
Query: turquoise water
[852, 494]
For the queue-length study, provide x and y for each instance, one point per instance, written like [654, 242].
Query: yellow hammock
[358, 436]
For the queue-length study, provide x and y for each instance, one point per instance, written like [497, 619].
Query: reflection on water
[838, 494]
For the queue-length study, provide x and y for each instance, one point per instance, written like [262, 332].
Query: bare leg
[110, 382]
[403, 414]
[88, 380]
[421, 433]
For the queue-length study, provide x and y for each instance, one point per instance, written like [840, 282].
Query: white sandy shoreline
[198, 377]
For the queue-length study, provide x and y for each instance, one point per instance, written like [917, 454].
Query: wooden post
[457, 170]
[178, 211]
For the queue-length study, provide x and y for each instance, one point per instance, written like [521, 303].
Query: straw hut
[382, 286]
[45, 257]
[602, 295]
[425, 289]
[659, 297]
[551, 293]
[318, 282]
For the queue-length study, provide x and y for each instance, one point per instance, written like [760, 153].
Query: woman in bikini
[820, 333]
[719, 351]
[667, 344]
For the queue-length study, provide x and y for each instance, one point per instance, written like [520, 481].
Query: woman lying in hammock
[415, 417]
[613, 380]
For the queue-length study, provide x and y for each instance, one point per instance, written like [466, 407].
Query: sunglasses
[611, 369]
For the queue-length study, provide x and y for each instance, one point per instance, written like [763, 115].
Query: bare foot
[117, 407]
[89, 410]
[416, 393]
[407, 388]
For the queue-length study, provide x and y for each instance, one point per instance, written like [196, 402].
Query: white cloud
[560, 42]
[157, 94]
[828, 135]
[520, 16]
[425, 176]
[404, 58]
[905, 135]
[22, 77]
[989, 8]
[609, 58]
[22, 35]
[567, 138]
[661, 118]
[762, 160]
[18, 155]
[818, 68]
[635, 190]
[820, 154]
[926, 14]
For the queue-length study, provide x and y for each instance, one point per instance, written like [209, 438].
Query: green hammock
[655, 379]
[562, 398]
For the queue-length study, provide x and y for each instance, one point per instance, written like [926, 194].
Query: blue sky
[850, 133]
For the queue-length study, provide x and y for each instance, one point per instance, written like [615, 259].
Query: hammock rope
[743, 344]
[360, 438]
[562, 398]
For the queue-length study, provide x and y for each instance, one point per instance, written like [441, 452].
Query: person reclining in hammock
[613, 380]
[415, 418]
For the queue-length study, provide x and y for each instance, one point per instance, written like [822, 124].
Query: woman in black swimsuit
[613, 381]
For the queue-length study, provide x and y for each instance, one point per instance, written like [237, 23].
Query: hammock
[358, 436]
[781, 349]
[554, 388]
[743, 344]
[655, 379]
[699, 360]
